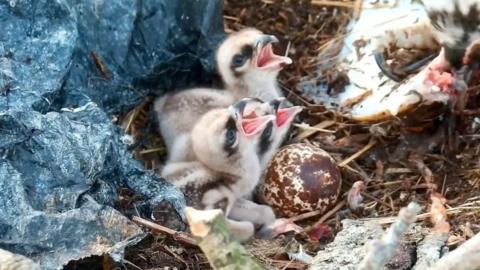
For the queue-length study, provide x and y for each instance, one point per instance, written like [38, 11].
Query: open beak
[265, 58]
[254, 126]
[247, 120]
[283, 115]
[286, 115]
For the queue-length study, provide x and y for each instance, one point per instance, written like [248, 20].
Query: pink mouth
[286, 115]
[254, 126]
[267, 59]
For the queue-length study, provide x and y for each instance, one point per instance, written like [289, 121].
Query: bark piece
[222, 249]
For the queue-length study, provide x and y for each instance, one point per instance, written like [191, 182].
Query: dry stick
[332, 3]
[310, 214]
[152, 150]
[305, 133]
[358, 154]
[305, 215]
[371, 197]
[424, 170]
[327, 215]
[180, 236]
[175, 255]
[130, 119]
[464, 257]
[313, 129]
[357, 9]
[388, 220]
[380, 251]
[222, 249]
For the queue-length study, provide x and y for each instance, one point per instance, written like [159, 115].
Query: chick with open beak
[251, 116]
[252, 110]
[248, 65]
[226, 166]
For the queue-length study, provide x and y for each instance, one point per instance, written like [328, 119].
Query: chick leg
[249, 211]
[261, 214]
[243, 230]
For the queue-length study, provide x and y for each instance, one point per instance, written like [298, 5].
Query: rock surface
[348, 249]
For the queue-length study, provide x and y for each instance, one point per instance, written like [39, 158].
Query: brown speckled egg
[301, 178]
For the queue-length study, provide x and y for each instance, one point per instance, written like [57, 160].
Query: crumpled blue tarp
[66, 68]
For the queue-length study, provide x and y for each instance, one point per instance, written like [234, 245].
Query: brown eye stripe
[246, 51]
[227, 147]
[265, 139]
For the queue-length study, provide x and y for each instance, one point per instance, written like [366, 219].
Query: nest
[400, 161]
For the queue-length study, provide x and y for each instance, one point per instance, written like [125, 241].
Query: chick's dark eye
[231, 136]
[239, 60]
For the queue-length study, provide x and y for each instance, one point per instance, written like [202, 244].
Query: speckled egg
[301, 178]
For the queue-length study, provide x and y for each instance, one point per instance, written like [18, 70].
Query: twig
[357, 9]
[152, 150]
[327, 215]
[331, 3]
[438, 213]
[358, 154]
[382, 250]
[181, 236]
[314, 128]
[176, 256]
[101, 66]
[287, 50]
[132, 117]
[388, 220]
[305, 215]
[377, 200]
[424, 170]
[231, 18]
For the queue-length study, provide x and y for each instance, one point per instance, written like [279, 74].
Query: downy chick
[226, 166]
[248, 67]
[177, 114]
[245, 209]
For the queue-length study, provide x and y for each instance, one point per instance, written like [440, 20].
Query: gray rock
[429, 250]
[349, 248]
